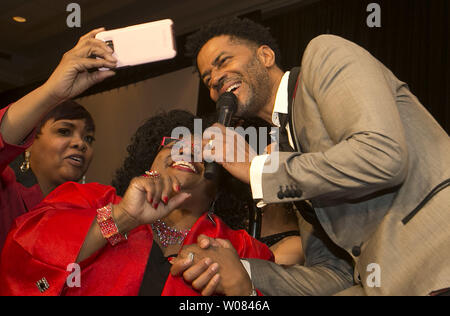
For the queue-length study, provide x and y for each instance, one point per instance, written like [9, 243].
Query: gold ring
[153, 174]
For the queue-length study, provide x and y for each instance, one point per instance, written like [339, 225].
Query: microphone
[226, 107]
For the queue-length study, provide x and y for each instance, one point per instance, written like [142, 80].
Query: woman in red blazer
[55, 133]
[167, 208]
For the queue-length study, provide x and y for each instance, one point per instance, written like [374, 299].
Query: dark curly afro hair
[234, 197]
[243, 29]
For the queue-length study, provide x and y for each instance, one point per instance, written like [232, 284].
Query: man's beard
[259, 91]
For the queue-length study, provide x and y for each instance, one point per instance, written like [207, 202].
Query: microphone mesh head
[227, 99]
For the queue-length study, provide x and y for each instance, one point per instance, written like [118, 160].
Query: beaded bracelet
[108, 227]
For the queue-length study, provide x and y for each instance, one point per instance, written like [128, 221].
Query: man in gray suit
[370, 158]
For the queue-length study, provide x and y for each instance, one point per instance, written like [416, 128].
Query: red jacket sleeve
[9, 152]
[43, 242]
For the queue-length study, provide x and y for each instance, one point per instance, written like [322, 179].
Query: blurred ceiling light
[19, 19]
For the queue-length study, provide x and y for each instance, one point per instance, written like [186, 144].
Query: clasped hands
[212, 266]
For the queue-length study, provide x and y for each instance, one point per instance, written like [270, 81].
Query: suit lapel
[303, 207]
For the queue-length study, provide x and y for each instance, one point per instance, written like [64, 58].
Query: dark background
[412, 41]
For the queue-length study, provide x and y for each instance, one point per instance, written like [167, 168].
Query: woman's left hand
[139, 200]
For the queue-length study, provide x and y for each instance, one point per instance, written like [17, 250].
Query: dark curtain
[412, 41]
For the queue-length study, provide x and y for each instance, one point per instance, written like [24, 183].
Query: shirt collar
[281, 100]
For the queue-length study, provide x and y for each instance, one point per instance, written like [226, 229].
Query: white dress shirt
[257, 164]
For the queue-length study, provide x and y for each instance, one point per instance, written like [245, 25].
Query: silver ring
[209, 145]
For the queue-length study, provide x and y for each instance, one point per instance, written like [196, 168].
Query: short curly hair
[233, 198]
[237, 28]
[68, 110]
[144, 145]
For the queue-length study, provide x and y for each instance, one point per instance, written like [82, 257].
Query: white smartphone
[142, 43]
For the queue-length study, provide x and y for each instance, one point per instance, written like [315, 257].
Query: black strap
[307, 212]
[273, 239]
[293, 79]
[430, 195]
[442, 292]
[303, 207]
[156, 273]
[285, 118]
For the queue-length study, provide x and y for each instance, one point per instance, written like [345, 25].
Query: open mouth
[76, 160]
[234, 87]
[184, 166]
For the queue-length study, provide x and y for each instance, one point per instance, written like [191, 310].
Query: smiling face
[190, 175]
[227, 64]
[61, 152]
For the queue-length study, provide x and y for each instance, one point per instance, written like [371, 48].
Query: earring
[212, 210]
[26, 163]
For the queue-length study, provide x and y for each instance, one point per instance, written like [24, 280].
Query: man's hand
[68, 80]
[233, 152]
[212, 266]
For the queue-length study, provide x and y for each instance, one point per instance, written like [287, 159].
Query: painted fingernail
[165, 200]
[156, 205]
[178, 188]
[151, 201]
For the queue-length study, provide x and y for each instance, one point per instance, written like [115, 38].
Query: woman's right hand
[141, 200]
[69, 79]
[71, 76]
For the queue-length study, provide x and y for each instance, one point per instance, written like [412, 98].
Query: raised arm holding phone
[55, 133]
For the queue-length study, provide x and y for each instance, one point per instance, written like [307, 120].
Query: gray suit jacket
[368, 154]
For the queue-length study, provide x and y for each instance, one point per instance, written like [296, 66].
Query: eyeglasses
[168, 141]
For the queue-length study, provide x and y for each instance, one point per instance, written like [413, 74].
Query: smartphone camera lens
[110, 44]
